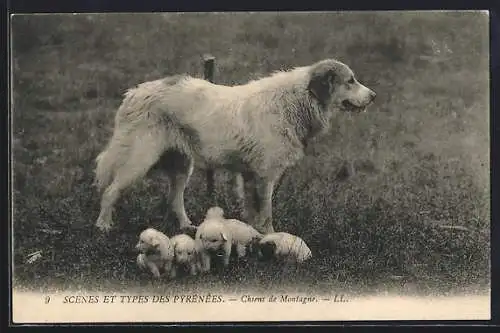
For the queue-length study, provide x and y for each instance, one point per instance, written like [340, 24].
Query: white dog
[156, 252]
[242, 234]
[256, 130]
[282, 246]
[186, 254]
[213, 237]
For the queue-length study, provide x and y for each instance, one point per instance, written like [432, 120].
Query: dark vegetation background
[395, 198]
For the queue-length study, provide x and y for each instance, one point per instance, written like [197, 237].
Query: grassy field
[395, 198]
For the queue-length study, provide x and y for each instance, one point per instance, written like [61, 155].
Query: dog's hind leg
[179, 178]
[144, 152]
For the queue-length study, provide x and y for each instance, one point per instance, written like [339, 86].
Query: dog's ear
[321, 85]
[223, 236]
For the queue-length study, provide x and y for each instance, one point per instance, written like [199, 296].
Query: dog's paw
[104, 226]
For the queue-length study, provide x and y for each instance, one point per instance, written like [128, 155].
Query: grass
[393, 198]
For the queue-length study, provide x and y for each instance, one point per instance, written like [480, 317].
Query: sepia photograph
[189, 167]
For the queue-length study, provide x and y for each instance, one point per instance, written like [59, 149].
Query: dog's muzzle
[350, 107]
[218, 252]
[147, 251]
[150, 252]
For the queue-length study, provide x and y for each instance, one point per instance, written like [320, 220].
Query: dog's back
[288, 246]
[241, 232]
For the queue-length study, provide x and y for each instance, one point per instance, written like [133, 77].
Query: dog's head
[214, 213]
[262, 249]
[149, 241]
[213, 236]
[335, 87]
[184, 249]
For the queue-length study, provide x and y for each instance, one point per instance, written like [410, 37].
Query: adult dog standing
[256, 130]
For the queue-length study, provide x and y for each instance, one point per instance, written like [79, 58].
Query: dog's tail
[109, 159]
[104, 169]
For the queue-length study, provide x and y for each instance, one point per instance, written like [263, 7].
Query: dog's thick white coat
[241, 233]
[288, 247]
[186, 254]
[258, 129]
[213, 238]
[156, 252]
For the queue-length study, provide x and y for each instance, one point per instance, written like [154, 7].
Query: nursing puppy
[255, 130]
[186, 255]
[281, 246]
[242, 234]
[156, 252]
[213, 238]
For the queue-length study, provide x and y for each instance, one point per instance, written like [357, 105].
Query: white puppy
[186, 254]
[156, 252]
[282, 246]
[242, 234]
[213, 237]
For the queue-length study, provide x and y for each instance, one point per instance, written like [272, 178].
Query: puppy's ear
[322, 85]
[223, 236]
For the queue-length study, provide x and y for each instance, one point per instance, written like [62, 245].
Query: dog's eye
[351, 80]
[189, 253]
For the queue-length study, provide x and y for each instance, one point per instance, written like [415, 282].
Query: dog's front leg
[205, 261]
[173, 272]
[193, 269]
[264, 191]
[227, 253]
[154, 269]
[170, 268]
[247, 192]
[241, 250]
[238, 188]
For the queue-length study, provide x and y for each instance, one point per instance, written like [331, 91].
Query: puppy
[281, 246]
[186, 254]
[213, 238]
[242, 234]
[156, 252]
